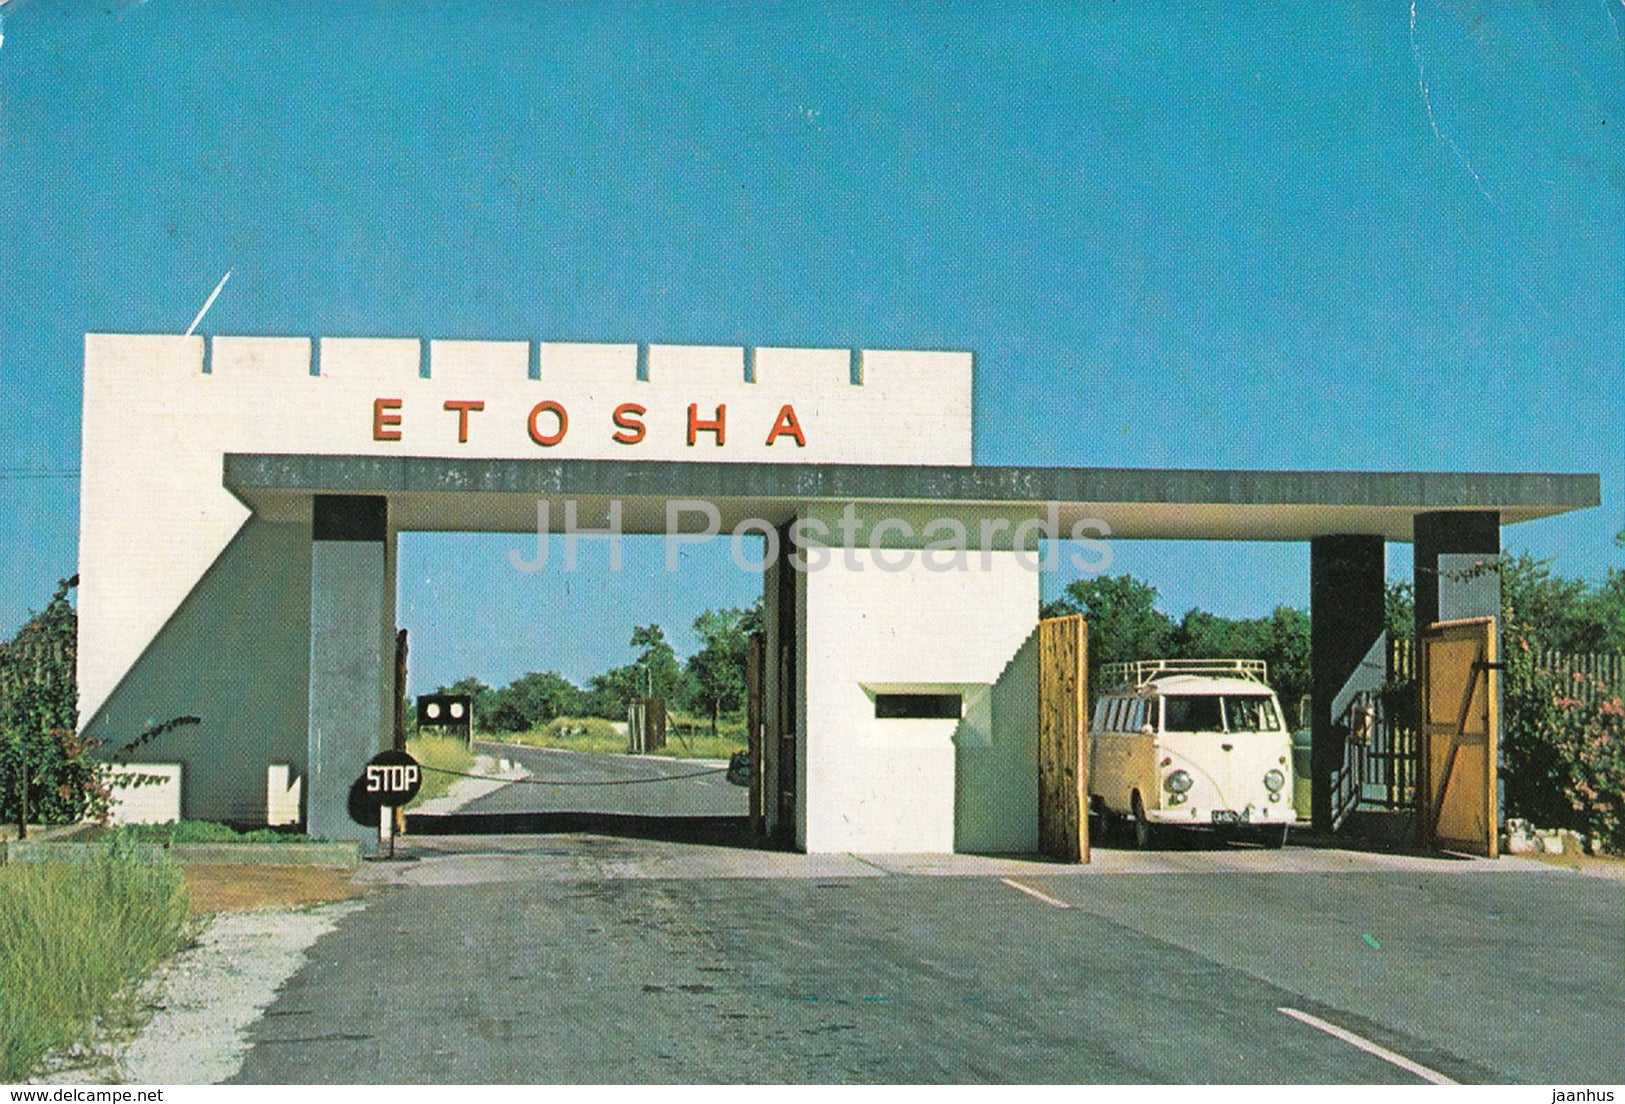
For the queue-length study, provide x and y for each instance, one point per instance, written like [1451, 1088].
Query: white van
[1195, 743]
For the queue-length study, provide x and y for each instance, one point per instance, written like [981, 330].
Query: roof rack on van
[1143, 671]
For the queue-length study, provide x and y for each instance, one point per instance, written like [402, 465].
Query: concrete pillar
[772, 697]
[352, 621]
[1347, 647]
[1454, 574]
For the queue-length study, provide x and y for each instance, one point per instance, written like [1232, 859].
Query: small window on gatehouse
[919, 706]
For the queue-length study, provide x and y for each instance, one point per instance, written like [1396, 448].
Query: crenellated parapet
[162, 410]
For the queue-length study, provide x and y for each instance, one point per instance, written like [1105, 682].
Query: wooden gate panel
[1063, 738]
[1460, 730]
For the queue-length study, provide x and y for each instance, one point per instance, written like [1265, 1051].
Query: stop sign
[390, 779]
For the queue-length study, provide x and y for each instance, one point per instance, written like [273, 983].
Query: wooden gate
[1063, 738]
[1461, 735]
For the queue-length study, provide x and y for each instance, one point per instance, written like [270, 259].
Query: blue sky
[1363, 236]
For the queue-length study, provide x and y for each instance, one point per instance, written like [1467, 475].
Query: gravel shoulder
[203, 1000]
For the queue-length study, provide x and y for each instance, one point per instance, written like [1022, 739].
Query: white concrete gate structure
[241, 498]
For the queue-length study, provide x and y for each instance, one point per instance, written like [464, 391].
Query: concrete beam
[500, 495]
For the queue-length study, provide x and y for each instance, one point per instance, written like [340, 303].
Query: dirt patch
[1598, 866]
[240, 888]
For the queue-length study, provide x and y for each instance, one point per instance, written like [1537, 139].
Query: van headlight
[1273, 781]
[1177, 782]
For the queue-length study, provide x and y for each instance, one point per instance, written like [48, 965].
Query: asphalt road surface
[568, 781]
[590, 958]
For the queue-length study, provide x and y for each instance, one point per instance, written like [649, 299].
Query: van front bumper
[1250, 817]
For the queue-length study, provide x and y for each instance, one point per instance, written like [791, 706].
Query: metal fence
[1590, 676]
[1381, 755]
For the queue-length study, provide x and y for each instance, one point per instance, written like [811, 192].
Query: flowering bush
[48, 773]
[1564, 748]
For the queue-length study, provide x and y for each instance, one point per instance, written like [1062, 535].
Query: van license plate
[1229, 816]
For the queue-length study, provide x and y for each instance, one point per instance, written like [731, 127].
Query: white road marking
[1429, 1075]
[1031, 892]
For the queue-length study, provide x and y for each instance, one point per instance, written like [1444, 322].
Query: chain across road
[551, 782]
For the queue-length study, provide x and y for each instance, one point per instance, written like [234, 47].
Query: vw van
[1192, 744]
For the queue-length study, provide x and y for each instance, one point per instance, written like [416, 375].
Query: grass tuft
[73, 937]
[443, 752]
[198, 831]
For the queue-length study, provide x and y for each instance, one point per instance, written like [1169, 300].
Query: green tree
[1606, 607]
[1124, 623]
[1555, 612]
[663, 675]
[533, 700]
[1399, 609]
[1281, 640]
[717, 671]
[608, 693]
[655, 673]
[482, 699]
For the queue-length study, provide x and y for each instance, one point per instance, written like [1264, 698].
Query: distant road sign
[453, 711]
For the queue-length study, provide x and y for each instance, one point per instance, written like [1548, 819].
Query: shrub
[47, 774]
[1564, 744]
[72, 938]
[200, 831]
[574, 734]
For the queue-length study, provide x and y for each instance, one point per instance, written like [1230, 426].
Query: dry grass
[239, 888]
[686, 738]
[1604, 866]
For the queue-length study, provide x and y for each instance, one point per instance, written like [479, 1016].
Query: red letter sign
[719, 426]
[788, 423]
[548, 406]
[463, 406]
[632, 430]
[381, 421]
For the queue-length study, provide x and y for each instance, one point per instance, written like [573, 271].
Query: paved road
[576, 782]
[577, 958]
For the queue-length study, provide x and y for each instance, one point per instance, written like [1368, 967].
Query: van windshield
[1191, 713]
[1250, 714]
[1213, 713]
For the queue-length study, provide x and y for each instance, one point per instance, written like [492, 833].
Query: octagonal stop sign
[390, 779]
